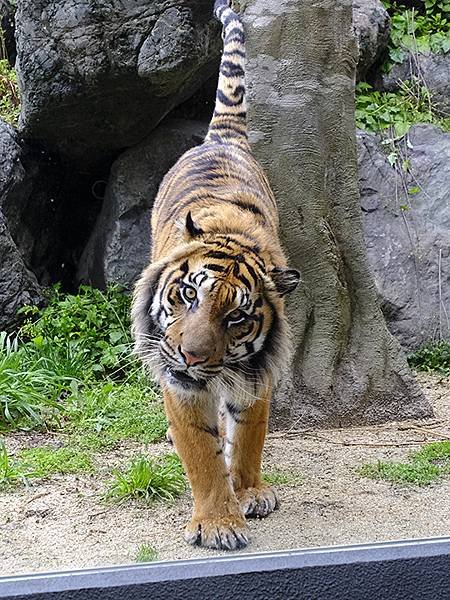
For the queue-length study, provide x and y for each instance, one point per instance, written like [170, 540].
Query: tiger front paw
[257, 502]
[224, 533]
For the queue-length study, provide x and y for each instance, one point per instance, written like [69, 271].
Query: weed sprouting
[148, 479]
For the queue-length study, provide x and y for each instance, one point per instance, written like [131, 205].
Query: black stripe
[214, 267]
[218, 254]
[214, 431]
[249, 206]
[252, 273]
[225, 100]
[240, 53]
[244, 279]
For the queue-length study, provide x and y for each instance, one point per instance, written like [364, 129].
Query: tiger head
[210, 316]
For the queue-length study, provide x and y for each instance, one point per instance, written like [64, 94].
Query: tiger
[208, 315]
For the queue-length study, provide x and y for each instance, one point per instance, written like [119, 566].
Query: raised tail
[229, 123]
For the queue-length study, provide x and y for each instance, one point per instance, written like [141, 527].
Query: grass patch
[146, 553]
[9, 474]
[70, 368]
[148, 479]
[432, 357]
[424, 467]
[279, 477]
[9, 94]
[45, 461]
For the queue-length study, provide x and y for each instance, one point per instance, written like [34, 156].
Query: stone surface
[99, 76]
[430, 70]
[371, 25]
[119, 246]
[408, 235]
[18, 286]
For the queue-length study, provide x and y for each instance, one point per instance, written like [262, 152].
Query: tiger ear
[192, 228]
[285, 280]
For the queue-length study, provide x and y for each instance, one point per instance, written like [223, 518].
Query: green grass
[9, 474]
[69, 368]
[45, 460]
[424, 467]
[432, 357]
[40, 462]
[280, 477]
[148, 479]
[9, 94]
[146, 553]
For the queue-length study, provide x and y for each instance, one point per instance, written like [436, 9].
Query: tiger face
[215, 316]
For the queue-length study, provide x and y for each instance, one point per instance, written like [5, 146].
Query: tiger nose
[191, 358]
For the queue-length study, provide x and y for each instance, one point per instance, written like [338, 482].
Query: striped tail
[229, 124]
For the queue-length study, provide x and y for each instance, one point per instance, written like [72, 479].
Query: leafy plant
[148, 479]
[9, 94]
[432, 357]
[146, 553]
[92, 319]
[425, 466]
[395, 112]
[27, 393]
[418, 31]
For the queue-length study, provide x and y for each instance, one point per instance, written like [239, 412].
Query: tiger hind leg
[245, 435]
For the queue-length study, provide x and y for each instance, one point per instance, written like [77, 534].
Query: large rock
[18, 286]
[371, 25]
[430, 70]
[98, 76]
[119, 246]
[408, 235]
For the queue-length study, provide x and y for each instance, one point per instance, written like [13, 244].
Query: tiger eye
[189, 293]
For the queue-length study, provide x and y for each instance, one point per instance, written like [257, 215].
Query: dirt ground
[62, 524]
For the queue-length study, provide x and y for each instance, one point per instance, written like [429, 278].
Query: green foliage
[433, 357]
[91, 321]
[146, 553]
[279, 477]
[28, 392]
[9, 474]
[116, 412]
[71, 368]
[46, 460]
[412, 30]
[148, 479]
[425, 466]
[395, 112]
[9, 94]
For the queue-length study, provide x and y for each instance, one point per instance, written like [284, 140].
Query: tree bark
[347, 368]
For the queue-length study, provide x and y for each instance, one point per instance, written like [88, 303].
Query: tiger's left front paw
[257, 502]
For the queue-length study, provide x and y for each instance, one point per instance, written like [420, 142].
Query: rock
[119, 246]
[99, 76]
[430, 70]
[15, 183]
[371, 25]
[18, 286]
[408, 235]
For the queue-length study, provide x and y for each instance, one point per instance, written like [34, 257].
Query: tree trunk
[347, 368]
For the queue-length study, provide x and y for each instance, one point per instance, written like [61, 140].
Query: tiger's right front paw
[223, 533]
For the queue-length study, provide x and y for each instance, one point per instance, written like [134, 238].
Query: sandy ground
[62, 523]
